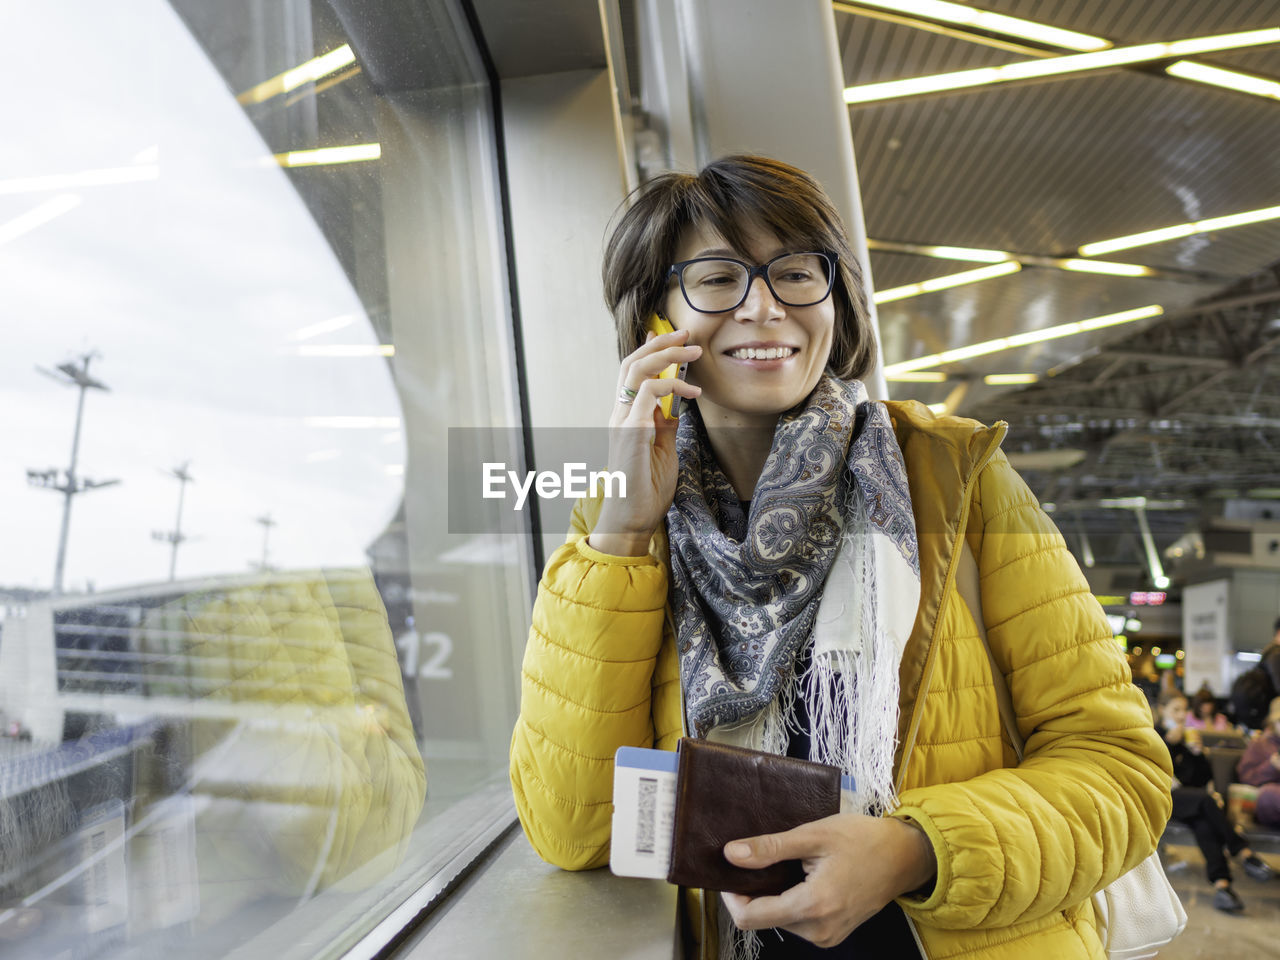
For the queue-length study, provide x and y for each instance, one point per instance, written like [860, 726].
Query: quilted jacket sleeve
[586, 687]
[1092, 795]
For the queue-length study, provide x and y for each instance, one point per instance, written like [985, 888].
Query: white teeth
[760, 353]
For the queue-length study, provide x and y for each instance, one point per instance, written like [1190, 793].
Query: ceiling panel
[1260, 60]
[1030, 300]
[898, 269]
[1043, 168]
[874, 50]
[1047, 167]
[1235, 251]
[1185, 404]
[1141, 22]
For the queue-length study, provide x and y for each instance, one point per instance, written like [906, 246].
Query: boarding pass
[644, 811]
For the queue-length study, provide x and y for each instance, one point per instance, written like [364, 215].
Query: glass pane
[252, 688]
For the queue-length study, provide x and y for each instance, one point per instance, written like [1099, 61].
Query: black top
[1192, 769]
[884, 935]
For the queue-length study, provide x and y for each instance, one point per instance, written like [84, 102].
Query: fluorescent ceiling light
[992, 22]
[347, 350]
[967, 254]
[1003, 379]
[85, 178]
[38, 216]
[1230, 79]
[950, 280]
[353, 423]
[326, 155]
[923, 376]
[927, 250]
[1022, 340]
[1125, 316]
[324, 326]
[1122, 503]
[1180, 230]
[1108, 267]
[1056, 66]
[1001, 256]
[307, 72]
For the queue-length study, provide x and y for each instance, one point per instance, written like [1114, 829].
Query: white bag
[1137, 913]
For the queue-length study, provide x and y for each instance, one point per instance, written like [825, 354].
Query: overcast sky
[192, 285]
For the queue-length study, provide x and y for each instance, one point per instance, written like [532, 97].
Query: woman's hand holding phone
[642, 444]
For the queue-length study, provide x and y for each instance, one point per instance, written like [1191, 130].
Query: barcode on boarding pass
[648, 810]
[644, 797]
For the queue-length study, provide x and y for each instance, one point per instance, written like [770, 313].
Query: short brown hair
[1168, 696]
[727, 196]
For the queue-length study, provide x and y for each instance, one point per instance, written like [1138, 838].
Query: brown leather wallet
[728, 793]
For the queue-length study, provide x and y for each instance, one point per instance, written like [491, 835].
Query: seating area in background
[1224, 750]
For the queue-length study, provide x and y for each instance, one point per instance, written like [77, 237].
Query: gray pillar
[754, 76]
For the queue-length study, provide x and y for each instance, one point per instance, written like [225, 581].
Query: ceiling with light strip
[1099, 186]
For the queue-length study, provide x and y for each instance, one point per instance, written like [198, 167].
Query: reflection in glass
[254, 699]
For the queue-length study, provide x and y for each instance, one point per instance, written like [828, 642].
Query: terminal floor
[1212, 934]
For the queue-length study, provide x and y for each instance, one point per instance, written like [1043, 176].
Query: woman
[1260, 767]
[1204, 713]
[782, 575]
[1195, 806]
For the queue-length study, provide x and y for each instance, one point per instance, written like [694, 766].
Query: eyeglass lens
[797, 280]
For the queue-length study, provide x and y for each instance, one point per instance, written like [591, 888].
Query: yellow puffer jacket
[1019, 851]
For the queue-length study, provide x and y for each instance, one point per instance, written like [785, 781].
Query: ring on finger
[627, 397]
[628, 392]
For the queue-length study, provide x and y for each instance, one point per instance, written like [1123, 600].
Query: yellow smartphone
[658, 325]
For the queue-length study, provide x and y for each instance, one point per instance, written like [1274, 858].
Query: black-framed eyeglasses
[718, 284]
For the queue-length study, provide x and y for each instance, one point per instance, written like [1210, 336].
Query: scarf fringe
[852, 689]
[738, 944]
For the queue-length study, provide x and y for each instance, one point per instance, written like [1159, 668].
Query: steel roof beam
[1136, 355]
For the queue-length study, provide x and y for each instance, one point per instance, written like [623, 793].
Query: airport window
[254, 694]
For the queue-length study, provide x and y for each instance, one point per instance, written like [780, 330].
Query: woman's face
[1205, 710]
[1174, 713]
[738, 390]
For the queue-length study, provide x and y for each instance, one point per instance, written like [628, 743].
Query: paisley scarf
[823, 569]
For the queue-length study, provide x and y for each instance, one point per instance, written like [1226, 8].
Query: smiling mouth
[762, 353]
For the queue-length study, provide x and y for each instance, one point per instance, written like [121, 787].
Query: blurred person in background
[1147, 678]
[1260, 767]
[1204, 713]
[1253, 691]
[1199, 809]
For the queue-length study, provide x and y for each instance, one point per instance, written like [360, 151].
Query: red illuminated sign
[1151, 598]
